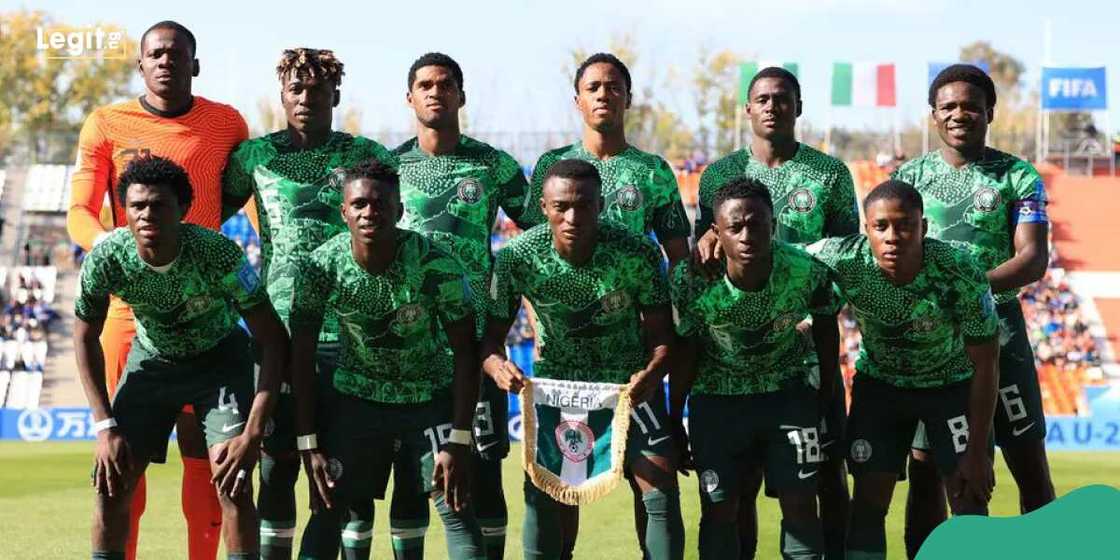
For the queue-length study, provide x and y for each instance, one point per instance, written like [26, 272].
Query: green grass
[45, 504]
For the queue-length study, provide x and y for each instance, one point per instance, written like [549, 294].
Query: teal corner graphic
[1081, 524]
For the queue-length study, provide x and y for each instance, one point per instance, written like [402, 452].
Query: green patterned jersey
[748, 342]
[298, 198]
[588, 316]
[813, 193]
[640, 190]
[182, 310]
[913, 335]
[392, 344]
[454, 200]
[978, 206]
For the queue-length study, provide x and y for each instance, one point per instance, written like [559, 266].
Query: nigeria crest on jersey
[986, 199]
[629, 198]
[802, 200]
[470, 190]
[574, 437]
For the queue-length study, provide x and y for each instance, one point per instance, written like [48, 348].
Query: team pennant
[575, 437]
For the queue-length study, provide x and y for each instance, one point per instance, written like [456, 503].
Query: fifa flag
[574, 437]
[747, 70]
[862, 84]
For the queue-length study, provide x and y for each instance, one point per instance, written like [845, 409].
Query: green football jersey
[298, 199]
[639, 188]
[748, 342]
[813, 193]
[978, 206]
[913, 335]
[181, 310]
[588, 316]
[454, 199]
[393, 348]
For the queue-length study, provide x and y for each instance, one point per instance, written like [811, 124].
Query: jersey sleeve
[240, 280]
[513, 189]
[237, 182]
[376, 151]
[975, 307]
[452, 292]
[669, 219]
[843, 213]
[828, 251]
[533, 215]
[685, 320]
[824, 300]
[94, 286]
[312, 290]
[505, 289]
[653, 288]
[90, 181]
[705, 215]
[1029, 206]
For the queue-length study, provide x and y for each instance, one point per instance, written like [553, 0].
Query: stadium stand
[47, 188]
[27, 314]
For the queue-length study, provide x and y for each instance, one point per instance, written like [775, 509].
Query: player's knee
[279, 470]
[967, 505]
[655, 473]
[798, 506]
[726, 511]
[868, 514]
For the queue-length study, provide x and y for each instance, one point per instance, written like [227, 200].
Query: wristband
[307, 442]
[460, 437]
[102, 425]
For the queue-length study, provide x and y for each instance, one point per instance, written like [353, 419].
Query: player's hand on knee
[112, 461]
[452, 475]
[317, 465]
[707, 254]
[233, 463]
[975, 477]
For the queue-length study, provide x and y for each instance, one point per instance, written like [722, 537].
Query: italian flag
[747, 70]
[862, 84]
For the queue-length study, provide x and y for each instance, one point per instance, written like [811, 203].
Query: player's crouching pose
[186, 286]
[748, 367]
[599, 294]
[929, 353]
[407, 372]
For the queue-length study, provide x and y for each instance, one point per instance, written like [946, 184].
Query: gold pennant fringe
[551, 484]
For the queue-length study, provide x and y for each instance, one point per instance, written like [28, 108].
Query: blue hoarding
[1074, 89]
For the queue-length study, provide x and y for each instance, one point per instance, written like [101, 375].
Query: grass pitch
[46, 500]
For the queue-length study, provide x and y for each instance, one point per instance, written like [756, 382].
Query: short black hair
[436, 59]
[575, 170]
[607, 58]
[370, 169]
[176, 27]
[893, 189]
[743, 188]
[964, 73]
[155, 170]
[781, 74]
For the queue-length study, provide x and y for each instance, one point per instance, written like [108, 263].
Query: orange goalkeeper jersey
[199, 140]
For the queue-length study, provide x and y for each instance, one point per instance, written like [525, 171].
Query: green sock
[276, 505]
[464, 538]
[718, 539]
[867, 533]
[542, 535]
[664, 527]
[103, 555]
[802, 541]
[494, 536]
[408, 537]
[489, 503]
[357, 534]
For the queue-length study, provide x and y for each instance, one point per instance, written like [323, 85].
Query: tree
[716, 81]
[44, 99]
[650, 124]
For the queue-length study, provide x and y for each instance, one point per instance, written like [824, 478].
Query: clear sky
[513, 52]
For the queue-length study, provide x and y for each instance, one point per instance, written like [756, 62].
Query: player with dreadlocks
[291, 176]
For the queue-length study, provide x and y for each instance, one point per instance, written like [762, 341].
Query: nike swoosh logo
[803, 475]
[227, 427]
[487, 446]
[828, 443]
[653, 442]
[1018, 431]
